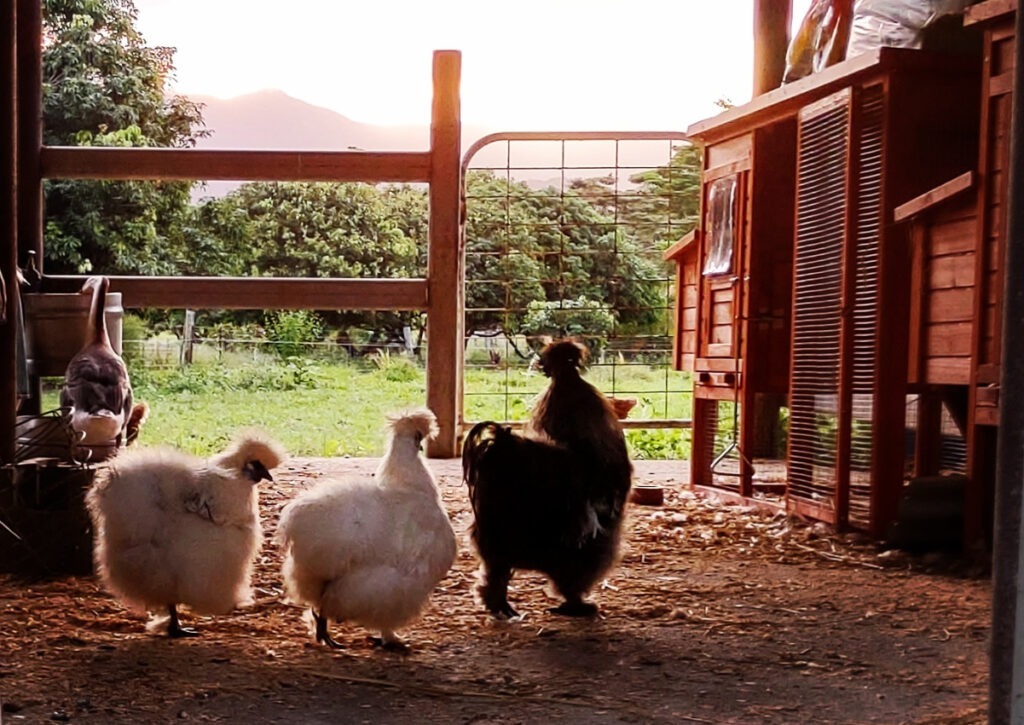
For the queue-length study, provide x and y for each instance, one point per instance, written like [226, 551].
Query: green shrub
[134, 333]
[396, 368]
[292, 330]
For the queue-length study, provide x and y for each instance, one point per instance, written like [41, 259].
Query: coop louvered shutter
[867, 124]
[822, 198]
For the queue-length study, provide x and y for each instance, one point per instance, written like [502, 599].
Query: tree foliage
[526, 245]
[103, 86]
[539, 260]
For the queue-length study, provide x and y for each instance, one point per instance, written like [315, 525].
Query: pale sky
[526, 64]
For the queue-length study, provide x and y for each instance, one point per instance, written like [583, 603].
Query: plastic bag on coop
[895, 23]
[820, 40]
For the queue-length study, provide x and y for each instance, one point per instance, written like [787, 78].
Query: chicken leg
[322, 635]
[174, 628]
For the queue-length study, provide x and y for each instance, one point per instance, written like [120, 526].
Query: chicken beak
[256, 472]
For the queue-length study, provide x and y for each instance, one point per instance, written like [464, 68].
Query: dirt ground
[716, 614]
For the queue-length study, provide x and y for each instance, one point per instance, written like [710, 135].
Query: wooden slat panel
[730, 153]
[948, 371]
[721, 338]
[986, 415]
[951, 271]
[951, 339]
[721, 312]
[261, 293]
[82, 162]
[717, 364]
[722, 349]
[953, 305]
[955, 237]
[988, 10]
[714, 392]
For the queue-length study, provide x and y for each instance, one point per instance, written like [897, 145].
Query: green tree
[526, 245]
[270, 229]
[103, 86]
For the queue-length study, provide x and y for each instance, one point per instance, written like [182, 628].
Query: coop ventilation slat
[867, 226]
[821, 212]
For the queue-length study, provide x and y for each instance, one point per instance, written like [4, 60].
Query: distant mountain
[275, 120]
[272, 119]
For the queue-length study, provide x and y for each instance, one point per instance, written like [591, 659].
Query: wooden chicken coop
[795, 287]
[957, 235]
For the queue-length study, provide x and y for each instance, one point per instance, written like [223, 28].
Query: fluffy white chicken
[170, 528]
[367, 549]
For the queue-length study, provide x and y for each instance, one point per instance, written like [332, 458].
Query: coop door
[822, 208]
[836, 306]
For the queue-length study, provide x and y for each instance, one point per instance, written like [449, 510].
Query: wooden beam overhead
[89, 162]
[772, 19]
[259, 293]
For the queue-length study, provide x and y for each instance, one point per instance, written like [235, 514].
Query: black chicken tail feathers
[478, 440]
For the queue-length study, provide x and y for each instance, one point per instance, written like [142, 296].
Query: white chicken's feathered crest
[251, 445]
[409, 422]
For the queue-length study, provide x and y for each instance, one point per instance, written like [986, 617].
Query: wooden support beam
[30, 128]
[933, 197]
[258, 293]
[772, 19]
[8, 230]
[89, 162]
[445, 260]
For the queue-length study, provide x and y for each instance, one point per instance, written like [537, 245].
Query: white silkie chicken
[370, 550]
[170, 528]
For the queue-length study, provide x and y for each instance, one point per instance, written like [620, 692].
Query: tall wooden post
[30, 129]
[8, 228]
[771, 38]
[444, 262]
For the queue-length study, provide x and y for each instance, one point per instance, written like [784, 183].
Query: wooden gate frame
[26, 163]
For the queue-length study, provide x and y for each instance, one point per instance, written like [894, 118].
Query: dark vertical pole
[771, 38]
[1006, 668]
[30, 128]
[8, 227]
[444, 257]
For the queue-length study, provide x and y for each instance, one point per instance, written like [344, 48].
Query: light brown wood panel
[953, 305]
[951, 271]
[947, 371]
[721, 338]
[721, 312]
[719, 364]
[261, 293]
[950, 339]
[955, 237]
[733, 151]
[87, 162]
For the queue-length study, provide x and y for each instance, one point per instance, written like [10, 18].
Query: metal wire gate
[563, 236]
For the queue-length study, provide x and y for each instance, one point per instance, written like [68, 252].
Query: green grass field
[335, 408]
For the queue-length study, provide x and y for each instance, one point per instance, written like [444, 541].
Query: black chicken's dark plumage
[551, 500]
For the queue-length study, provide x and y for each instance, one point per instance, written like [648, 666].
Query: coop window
[721, 226]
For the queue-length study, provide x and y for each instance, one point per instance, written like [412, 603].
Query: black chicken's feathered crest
[564, 356]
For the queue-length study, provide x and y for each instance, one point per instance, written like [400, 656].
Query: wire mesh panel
[564, 236]
[865, 293]
[821, 214]
[726, 459]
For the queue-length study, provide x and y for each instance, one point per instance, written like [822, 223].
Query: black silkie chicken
[552, 499]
